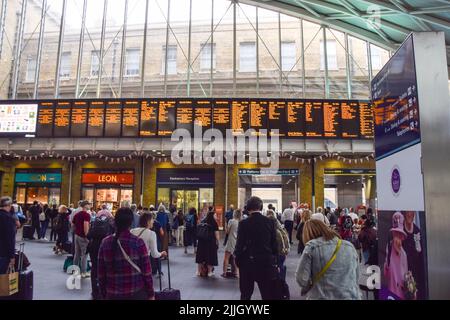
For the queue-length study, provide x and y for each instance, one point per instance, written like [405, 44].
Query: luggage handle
[168, 273]
[21, 252]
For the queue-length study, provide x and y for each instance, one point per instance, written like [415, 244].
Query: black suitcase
[27, 232]
[68, 247]
[25, 279]
[168, 293]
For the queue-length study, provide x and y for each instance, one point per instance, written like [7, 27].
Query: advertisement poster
[402, 254]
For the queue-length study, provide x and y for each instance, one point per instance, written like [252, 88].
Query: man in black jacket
[256, 252]
[7, 235]
[34, 212]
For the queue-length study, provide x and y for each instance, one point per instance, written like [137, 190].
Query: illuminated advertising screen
[18, 119]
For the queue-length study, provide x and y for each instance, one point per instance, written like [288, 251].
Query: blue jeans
[4, 263]
[366, 255]
[44, 225]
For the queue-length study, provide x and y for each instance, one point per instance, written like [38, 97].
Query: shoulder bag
[322, 272]
[127, 257]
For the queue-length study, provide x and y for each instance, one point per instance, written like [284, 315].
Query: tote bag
[9, 283]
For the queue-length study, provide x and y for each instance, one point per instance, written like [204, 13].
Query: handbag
[42, 216]
[9, 283]
[322, 272]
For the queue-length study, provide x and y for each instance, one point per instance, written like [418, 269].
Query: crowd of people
[125, 248]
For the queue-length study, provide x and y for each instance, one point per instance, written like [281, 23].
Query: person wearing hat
[7, 235]
[396, 264]
[81, 222]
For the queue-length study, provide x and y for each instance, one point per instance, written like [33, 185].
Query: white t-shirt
[149, 238]
[288, 215]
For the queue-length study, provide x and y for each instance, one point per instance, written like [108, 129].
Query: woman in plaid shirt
[124, 271]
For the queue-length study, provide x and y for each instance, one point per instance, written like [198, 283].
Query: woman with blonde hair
[305, 216]
[231, 231]
[329, 267]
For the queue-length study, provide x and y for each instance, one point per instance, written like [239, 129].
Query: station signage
[203, 177]
[268, 172]
[35, 177]
[349, 172]
[107, 178]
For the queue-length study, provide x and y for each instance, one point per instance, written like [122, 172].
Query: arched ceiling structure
[383, 22]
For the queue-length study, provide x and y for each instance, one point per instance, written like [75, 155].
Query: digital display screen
[166, 117]
[149, 109]
[185, 112]
[130, 119]
[366, 120]
[203, 114]
[258, 116]
[113, 118]
[62, 119]
[350, 120]
[78, 118]
[239, 116]
[314, 119]
[96, 120]
[295, 117]
[18, 118]
[331, 117]
[221, 115]
[45, 119]
[277, 118]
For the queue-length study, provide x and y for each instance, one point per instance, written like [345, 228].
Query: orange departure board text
[277, 117]
[203, 113]
[148, 118]
[78, 119]
[221, 115]
[366, 121]
[184, 115]
[62, 119]
[349, 120]
[113, 118]
[331, 116]
[45, 119]
[258, 116]
[239, 116]
[166, 117]
[295, 114]
[130, 118]
[96, 120]
[313, 119]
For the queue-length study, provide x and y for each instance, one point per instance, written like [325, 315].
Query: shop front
[43, 185]
[110, 187]
[279, 187]
[185, 188]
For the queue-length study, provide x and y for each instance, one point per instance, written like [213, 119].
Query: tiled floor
[50, 280]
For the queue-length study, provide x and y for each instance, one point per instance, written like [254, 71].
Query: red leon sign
[107, 178]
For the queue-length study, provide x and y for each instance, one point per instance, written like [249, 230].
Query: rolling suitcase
[27, 232]
[25, 279]
[168, 293]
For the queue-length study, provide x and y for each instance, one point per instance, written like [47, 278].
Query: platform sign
[400, 190]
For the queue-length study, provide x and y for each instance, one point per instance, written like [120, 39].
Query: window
[95, 62]
[205, 57]
[171, 59]
[375, 54]
[288, 56]
[331, 55]
[31, 69]
[132, 62]
[247, 59]
[64, 68]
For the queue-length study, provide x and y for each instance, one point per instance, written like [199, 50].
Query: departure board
[166, 117]
[149, 109]
[277, 117]
[295, 117]
[78, 119]
[96, 121]
[366, 121]
[313, 119]
[113, 118]
[331, 117]
[62, 119]
[258, 116]
[130, 118]
[44, 126]
[203, 114]
[221, 115]
[239, 116]
[349, 120]
[184, 115]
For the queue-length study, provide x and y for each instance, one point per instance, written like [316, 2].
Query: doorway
[185, 199]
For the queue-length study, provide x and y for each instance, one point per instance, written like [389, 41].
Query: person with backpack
[101, 227]
[34, 212]
[190, 237]
[52, 214]
[44, 220]
[208, 244]
[256, 252]
[282, 243]
[145, 232]
[104, 212]
[178, 226]
[163, 219]
[62, 228]
[328, 268]
[367, 238]
[345, 224]
[287, 218]
[231, 231]
[124, 271]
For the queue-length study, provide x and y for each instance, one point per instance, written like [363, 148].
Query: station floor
[50, 280]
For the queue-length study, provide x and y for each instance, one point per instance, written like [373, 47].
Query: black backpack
[204, 231]
[100, 228]
[61, 223]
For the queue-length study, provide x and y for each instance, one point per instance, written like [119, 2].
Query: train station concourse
[224, 150]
